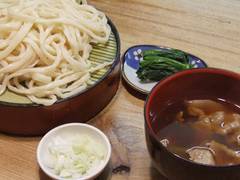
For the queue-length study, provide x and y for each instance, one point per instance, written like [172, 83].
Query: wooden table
[209, 29]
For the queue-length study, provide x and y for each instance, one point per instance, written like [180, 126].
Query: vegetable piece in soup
[201, 155]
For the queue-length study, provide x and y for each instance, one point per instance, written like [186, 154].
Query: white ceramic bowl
[68, 129]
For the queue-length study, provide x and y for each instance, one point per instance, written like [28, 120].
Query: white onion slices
[45, 46]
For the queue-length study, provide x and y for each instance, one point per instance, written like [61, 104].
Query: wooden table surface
[209, 29]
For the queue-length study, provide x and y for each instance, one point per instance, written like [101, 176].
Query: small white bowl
[68, 129]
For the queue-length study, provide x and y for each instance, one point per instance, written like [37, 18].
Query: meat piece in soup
[235, 138]
[224, 155]
[231, 124]
[219, 122]
[204, 131]
[203, 107]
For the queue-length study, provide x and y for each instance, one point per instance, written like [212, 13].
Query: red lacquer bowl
[31, 119]
[187, 85]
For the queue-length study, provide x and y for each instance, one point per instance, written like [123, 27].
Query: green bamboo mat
[103, 53]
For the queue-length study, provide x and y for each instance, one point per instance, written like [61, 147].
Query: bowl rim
[82, 125]
[168, 79]
[114, 64]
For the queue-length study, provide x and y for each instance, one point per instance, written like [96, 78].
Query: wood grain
[209, 29]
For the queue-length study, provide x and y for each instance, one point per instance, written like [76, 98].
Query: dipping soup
[203, 131]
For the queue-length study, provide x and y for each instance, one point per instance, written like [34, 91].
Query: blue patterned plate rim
[130, 64]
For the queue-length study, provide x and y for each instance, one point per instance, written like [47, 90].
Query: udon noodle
[45, 46]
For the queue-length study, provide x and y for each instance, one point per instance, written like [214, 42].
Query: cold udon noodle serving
[203, 131]
[45, 46]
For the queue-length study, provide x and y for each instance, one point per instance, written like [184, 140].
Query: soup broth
[204, 131]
